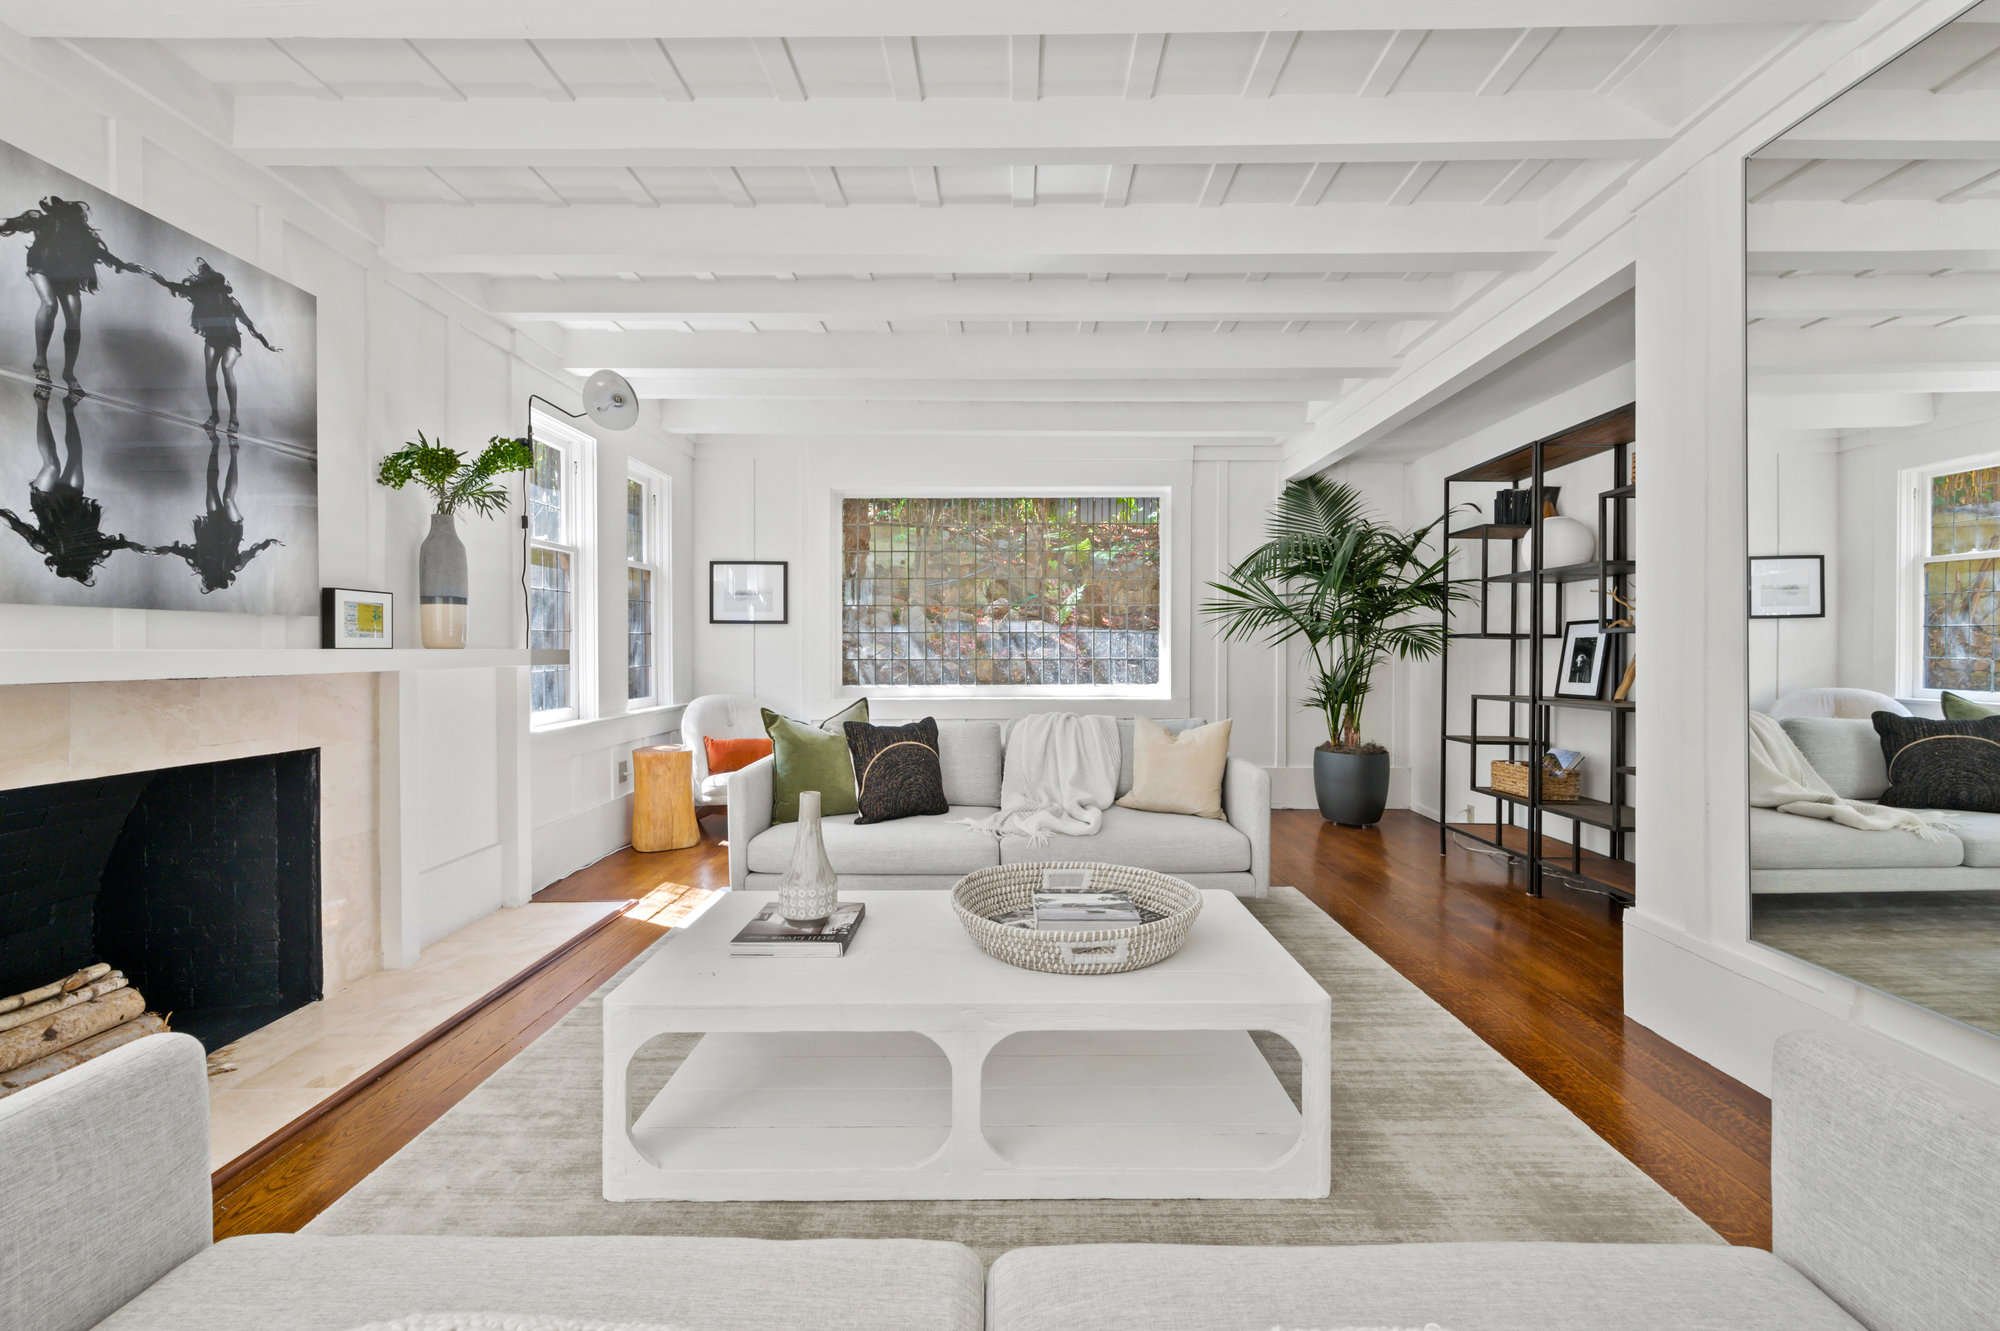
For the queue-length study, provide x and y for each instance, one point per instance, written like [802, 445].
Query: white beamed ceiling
[1110, 219]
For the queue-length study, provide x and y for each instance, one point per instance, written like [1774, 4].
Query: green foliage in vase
[452, 481]
[1353, 589]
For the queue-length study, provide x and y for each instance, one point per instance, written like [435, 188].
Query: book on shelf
[772, 935]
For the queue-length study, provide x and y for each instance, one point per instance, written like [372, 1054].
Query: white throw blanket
[1782, 779]
[1061, 775]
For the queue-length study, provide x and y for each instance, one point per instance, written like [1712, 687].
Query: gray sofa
[1885, 1199]
[1793, 854]
[1233, 853]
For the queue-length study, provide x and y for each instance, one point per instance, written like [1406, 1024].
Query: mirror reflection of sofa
[1793, 854]
[1232, 852]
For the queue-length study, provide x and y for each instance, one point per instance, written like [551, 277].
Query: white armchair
[717, 716]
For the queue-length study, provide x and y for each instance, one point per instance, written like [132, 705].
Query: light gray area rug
[1436, 1137]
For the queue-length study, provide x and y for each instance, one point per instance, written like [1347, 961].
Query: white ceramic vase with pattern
[810, 889]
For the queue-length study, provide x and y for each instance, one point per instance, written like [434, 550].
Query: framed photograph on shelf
[748, 591]
[350, 619]
[1788, 586]
[1580, 668]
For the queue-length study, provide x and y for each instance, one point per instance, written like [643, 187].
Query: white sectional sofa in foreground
[1232, 853]
[1885, 1192]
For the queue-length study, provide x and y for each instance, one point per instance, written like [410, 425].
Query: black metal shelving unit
[1519, 719]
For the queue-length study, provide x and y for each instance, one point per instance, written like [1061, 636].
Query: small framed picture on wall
[1788, 586]
[1580, 669]
[748, 591]
[350, 619]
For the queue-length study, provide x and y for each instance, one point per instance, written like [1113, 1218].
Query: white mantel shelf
[86, 665]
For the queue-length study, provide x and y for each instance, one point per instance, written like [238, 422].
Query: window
[1958, 573]
[558, 548]
[1026, 591]
[645, 544]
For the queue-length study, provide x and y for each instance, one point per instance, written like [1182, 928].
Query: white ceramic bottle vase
[809, 890]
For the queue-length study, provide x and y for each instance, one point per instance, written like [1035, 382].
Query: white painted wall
[781, 501]
[1794, 502]
[397, 354]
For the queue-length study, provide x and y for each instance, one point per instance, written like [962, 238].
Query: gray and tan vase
[809, 890]
[442, 584]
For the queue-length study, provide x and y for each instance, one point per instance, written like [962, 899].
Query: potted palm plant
[1354, 590]
[454, 482]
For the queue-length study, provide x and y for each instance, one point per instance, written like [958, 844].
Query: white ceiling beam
[1142, 68]
[732, 186]
[1412, 184]
[1024, 67]
[984, 355]
[1315, 186]
[776, 58]
[838, 298]
[826, 184]
[1215, 185]
[1393, 60]
[164, 77]
[1117, 184]
[905, 77]
[659, 68]
[1826, 351]
[846, 416]
[1503, 76]
[1172, 388]
[1840, 411]
[1893, 124]
[631, 132]
[1021, 186]
[1810, 297]
[924, 184]
[1913, 236]
[600, 239]
[1269, 63]
[874, 18]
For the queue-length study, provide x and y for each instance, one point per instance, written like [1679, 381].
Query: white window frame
[656, 559]
[579, 542]
[1916, 557]
[1163, 689]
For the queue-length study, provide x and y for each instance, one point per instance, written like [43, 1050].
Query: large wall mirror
[1874, 529]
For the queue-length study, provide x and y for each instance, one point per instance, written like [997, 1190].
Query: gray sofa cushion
[1847, 753]
[1491, 1286]
[304, 1283]
[1787, 841]
[971, 753]
[928, 844]
[1979, 833]
[1168, 842]
[1885, 1189]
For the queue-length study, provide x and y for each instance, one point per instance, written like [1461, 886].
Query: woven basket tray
[1098, 951]
[1512, 779]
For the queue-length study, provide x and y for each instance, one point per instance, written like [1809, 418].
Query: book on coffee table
[772, 935]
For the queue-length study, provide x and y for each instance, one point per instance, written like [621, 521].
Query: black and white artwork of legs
[129, 401]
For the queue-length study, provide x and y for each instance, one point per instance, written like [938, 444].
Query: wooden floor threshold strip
[280, 1141]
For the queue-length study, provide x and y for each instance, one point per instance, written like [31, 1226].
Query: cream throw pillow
[1178, 773]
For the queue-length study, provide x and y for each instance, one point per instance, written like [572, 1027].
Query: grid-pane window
[1961, 581]
[558, 527]
[1000, 592]
[644, 539]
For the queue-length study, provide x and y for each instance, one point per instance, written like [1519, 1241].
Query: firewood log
[60, 1030]
[64, 985]
[95, 989]
[81, 1052]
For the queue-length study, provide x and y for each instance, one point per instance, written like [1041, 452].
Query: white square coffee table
[919, 1067]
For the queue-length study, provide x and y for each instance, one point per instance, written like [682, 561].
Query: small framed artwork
[355, 619]
[1788, 586]
[1580, 670]
[748, 591]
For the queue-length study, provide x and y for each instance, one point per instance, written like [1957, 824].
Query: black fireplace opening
[201, 883]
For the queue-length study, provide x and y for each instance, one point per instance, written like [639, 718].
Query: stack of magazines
[772, 935]
[1073, 905]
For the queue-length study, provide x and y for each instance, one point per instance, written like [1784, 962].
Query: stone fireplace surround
[67, 732]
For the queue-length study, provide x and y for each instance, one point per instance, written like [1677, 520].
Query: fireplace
[201, 883]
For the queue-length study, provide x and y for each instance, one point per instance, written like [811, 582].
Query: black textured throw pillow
[1941, 764]
[896, 771]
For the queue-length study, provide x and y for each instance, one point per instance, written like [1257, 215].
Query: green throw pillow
[812, 757]
[1964, 709]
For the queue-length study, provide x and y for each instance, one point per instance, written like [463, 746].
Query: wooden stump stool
[663, 798]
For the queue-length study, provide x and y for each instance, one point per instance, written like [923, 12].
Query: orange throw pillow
[730, 755]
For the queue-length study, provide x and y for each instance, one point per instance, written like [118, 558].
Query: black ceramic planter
[1352, 788]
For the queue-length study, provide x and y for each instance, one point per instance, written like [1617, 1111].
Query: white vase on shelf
[1567, 541]
[810, 889]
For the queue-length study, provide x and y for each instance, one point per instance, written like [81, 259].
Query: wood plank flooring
[1541, 981]
[1537, 979]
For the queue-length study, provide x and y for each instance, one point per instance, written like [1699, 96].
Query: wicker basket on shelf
[1512, 779]
[1104, 950]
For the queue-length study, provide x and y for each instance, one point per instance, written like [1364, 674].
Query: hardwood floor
[1539, 980]
[314, 1163]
